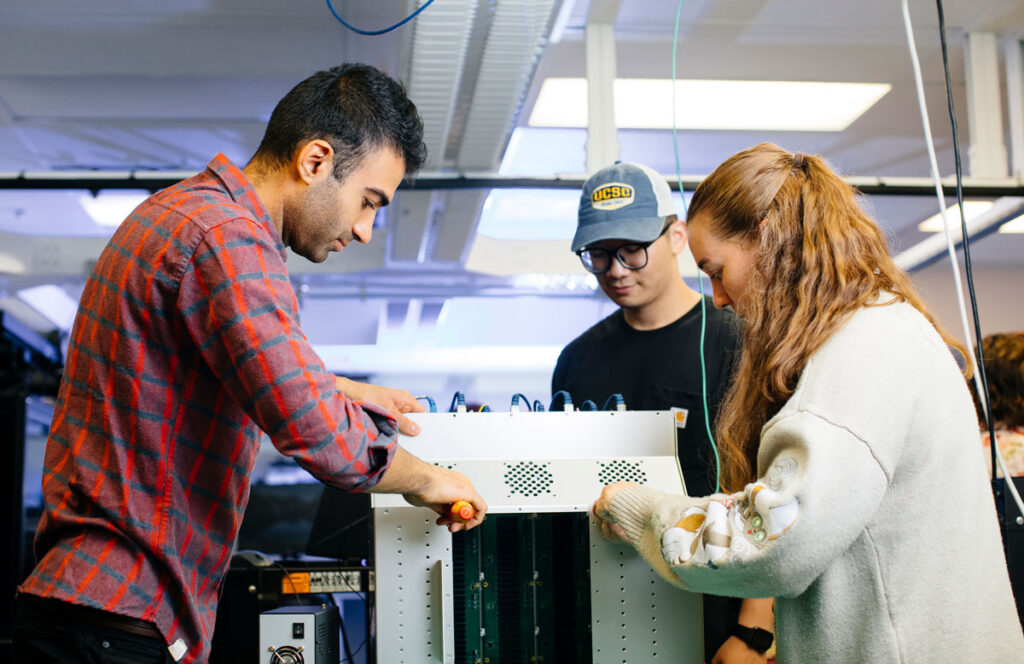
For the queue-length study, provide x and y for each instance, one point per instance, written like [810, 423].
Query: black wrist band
[758, 639]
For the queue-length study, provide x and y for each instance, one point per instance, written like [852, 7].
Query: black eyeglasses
[632, 256]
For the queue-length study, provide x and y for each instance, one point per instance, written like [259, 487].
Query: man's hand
[425, 485]
[447, 487]
[735, 651]
[602, 511]
[390, 399]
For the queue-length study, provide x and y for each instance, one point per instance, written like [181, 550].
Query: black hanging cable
[344, 636]
[368, 608]
[967, 249]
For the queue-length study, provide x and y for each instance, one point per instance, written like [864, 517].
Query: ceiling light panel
[713, 104]
[111, 208]
[972, 209]
[1013, 226]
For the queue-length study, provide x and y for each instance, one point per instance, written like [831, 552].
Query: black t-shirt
[658, 370]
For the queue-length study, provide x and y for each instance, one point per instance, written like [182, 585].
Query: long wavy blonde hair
[818, 257]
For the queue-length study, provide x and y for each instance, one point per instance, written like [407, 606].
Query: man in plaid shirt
[186, 345]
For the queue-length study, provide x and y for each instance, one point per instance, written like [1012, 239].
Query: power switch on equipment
[300, 635]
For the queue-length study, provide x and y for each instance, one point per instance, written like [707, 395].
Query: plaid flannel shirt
[186, 342]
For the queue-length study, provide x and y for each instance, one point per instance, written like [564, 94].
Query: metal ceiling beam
[984, 106]
[433, 284]
[154, 180]
[599, 41]
[935, 248]
[1013, 56]
[53, 256]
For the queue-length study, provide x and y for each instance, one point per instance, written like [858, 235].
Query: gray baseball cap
[624, 201]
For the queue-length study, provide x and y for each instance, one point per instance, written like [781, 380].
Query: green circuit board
[522, 590]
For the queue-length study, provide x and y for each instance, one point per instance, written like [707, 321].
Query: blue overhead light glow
[534, 152]
[535, 214]
[538, 214]
[110, 208]
[530, 214]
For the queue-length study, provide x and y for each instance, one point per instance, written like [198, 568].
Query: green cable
[700, 277]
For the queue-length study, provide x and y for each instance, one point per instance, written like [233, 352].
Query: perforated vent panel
[323, 639]
[620, 470]
[527, 478]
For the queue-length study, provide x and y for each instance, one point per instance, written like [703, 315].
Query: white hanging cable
[938, 193]
[950, 246]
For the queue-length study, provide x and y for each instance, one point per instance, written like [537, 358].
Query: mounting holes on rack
[621, 470]
[528, 479]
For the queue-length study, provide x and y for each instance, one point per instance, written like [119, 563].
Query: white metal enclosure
[535, 463]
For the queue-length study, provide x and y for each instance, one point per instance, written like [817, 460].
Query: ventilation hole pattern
[323, 641]
[528, 479]
[620, 470]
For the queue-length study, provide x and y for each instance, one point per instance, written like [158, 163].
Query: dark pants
[720, 614]
[45, 633]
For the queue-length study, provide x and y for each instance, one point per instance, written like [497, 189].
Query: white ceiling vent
[440, 41]
[515, 41]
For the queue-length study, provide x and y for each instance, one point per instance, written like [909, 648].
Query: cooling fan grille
[287, 655]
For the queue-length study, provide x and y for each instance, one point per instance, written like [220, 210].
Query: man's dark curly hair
[354, 107]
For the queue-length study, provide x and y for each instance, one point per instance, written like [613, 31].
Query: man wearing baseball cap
[649, 351]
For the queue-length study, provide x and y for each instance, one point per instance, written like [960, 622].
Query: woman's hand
[602, 511]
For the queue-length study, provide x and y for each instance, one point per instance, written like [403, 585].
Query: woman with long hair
[854, 493]
[1004, 369]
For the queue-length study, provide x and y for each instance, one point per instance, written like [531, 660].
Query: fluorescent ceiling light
[51, 302]
[711, 104]
[111, 208]
[1013, 226]
[972, 209]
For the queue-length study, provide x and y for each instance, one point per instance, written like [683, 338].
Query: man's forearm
[406, 473]
[425, 485]
[348, 387]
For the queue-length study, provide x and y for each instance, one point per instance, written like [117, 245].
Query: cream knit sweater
[872, 522]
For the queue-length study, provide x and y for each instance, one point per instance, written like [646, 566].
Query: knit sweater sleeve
[820, 487]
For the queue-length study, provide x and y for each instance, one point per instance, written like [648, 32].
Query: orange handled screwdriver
[462, 511]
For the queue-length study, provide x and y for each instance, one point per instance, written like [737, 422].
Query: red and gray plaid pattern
[186, 344]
